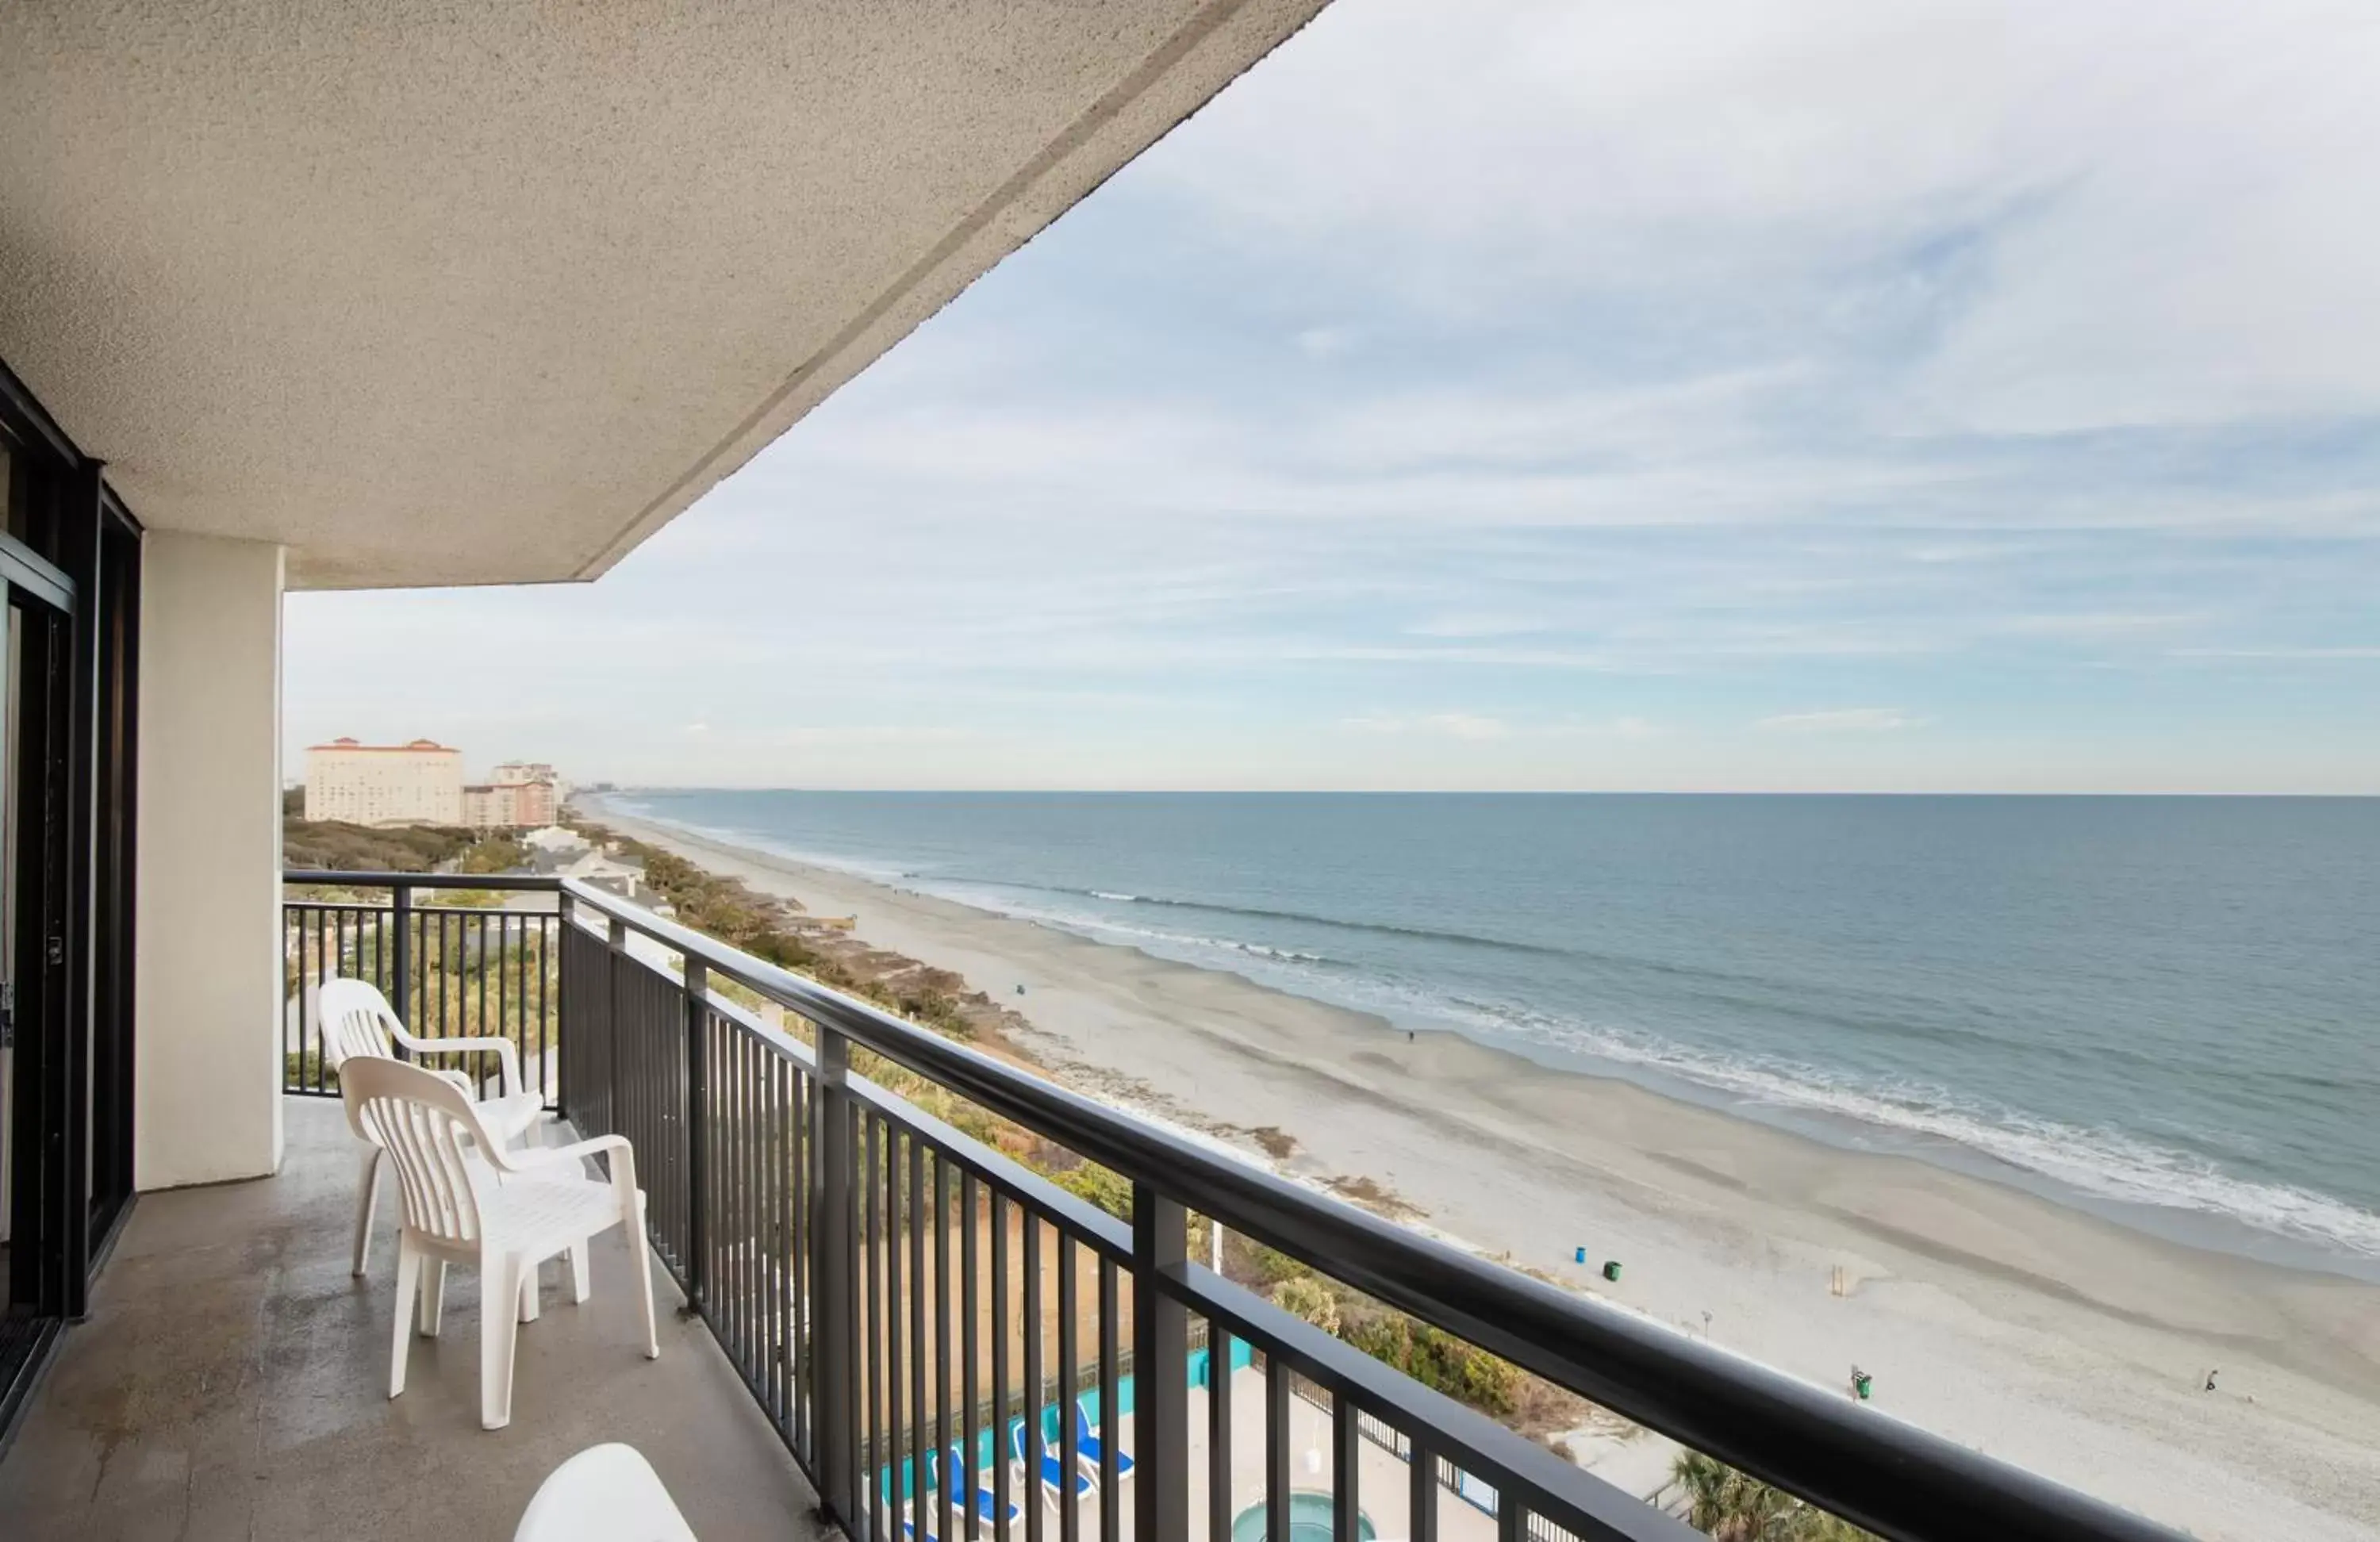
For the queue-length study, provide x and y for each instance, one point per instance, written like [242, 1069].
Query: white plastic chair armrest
[507, 1054]
[622, 1161]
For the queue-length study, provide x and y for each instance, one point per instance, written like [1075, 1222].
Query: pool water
[1311, 1512]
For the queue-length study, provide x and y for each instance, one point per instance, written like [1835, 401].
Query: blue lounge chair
[1053, 1471]
[987, 1503]
[1086, 1446]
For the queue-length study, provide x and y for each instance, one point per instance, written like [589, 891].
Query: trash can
[1612, 1270]
[1582, 1255]
[1863, 1384]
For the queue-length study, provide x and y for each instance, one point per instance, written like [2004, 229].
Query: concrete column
[207, 963]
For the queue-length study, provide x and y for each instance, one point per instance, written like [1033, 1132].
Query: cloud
[2338, 652]
[865, 733]
[2073, 217]
[1842, 720]
[1324, 342]
[1468, 624]
[1452, 725]
[2099, 624]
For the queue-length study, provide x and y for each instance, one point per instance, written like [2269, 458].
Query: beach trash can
[1582, 1255]
[1612, 1270]
[1863, 1384]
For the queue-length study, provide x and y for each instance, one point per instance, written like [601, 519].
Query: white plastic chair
[467, 1200]
[604, 1494]
[356, 1019]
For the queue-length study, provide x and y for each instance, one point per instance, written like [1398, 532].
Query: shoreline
[2050, 1336]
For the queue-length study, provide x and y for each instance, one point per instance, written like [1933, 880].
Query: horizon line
[1479, 792]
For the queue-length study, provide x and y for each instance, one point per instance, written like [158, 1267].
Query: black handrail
[333, 878]
[1864, 1466]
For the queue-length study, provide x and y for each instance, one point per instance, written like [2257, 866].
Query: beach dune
[2043, 1335]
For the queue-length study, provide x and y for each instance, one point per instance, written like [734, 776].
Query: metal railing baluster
[971, 1386]
[1000, 1461]
[1160, 1338]
[876, 1337]
[697, 1088]
[747, 1149]
[547, 975]
[1276, 1468]
[1110, 1403]
[825, 1322]
[922, 1460]
[1070, 1360]
[1421, 1487]
[896, 1429]
[782, 1259]
[401, 958]
[957, 1504]
[1034, 1445]
[478, 961]
[615, 964]
[1346, 1426]
[1218, 1433]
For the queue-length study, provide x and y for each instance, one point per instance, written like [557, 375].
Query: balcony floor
[232, 1381]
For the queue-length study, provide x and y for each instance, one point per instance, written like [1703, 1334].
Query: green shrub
[1088, 1181]
[1263, 1267]
[497, 854]
[1306, 1296]
[1438, 1359]
[370, 848]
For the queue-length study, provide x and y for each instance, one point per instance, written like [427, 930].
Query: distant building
[419, 782]
[609, 870]
[508, 805]
[557, 841]
[518, 773]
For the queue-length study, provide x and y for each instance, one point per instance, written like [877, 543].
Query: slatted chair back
[355, 1019]
[434, 1136]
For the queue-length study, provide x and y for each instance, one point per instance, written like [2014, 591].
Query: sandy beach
[2040, 1334]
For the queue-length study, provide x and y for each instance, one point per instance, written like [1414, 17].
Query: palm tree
[1733, 1507]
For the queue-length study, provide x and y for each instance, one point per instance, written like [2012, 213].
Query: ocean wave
[2104, 1164]
[1219, 907]
[768, 845]
[1097, 925]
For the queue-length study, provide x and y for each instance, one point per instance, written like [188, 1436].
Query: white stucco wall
[207, 989]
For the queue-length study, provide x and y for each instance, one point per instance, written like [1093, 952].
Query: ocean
[2163, 1010]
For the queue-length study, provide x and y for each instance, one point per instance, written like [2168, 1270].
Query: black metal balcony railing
[888, 1287]
[450, 970]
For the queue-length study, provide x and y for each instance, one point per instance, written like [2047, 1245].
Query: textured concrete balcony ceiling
[441, 293]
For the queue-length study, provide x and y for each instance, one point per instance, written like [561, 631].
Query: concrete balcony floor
[232, 1382]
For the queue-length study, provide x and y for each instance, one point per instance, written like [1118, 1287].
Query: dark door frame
[69, 573]
[48, 1226]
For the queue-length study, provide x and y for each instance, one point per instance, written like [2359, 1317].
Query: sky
[1891, 396]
